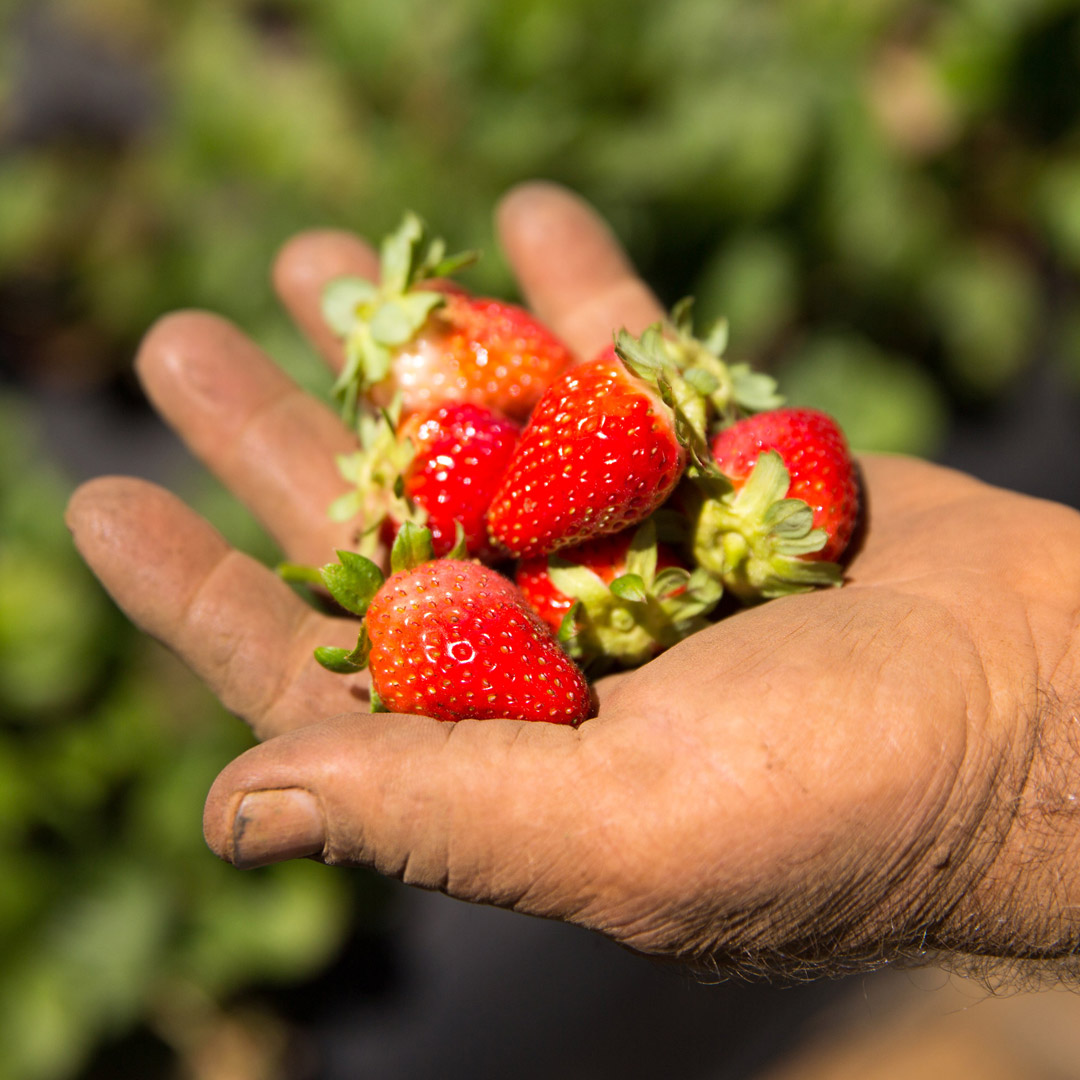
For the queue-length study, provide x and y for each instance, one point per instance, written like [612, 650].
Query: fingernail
[271, 826]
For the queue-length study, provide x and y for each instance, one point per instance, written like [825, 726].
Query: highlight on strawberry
[451, 639]
[417, 337]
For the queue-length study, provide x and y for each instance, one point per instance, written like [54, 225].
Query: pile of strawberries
[548, 517]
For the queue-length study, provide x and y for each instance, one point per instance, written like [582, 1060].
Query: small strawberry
[784, 507]
[618, 600]
[433, 343]
[451, 639]
[439, 467]
[600, 453]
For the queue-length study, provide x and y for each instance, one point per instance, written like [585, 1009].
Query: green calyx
[376, 476]
[731, 390]
[375, 320]
[693, 380]
[702, 389]
[755, 540]
[353, 582]
[641, 613]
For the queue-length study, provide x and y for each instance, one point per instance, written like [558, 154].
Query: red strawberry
[598, 455]
[452, 639]
[439, 468]
[787, 505]
[430, 343]
[618, 599]
[816, 456]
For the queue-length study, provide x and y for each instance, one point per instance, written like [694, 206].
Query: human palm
[825, 780]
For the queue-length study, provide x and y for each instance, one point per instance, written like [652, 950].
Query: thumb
[488, 811]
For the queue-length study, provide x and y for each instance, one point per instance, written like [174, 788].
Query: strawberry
[451, 639]
[430, 342]
[599, 454]
[439, 467]
[783, 506]
[618, 600]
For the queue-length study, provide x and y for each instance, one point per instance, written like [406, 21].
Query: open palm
[825, 780]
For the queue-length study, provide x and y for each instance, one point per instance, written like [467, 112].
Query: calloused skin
[819, 783]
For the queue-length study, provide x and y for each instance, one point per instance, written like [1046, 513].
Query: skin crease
[816, 784]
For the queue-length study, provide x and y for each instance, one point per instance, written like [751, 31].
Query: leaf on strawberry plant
[412, 546]
[342, 299]
[754, 391]
[641, 555]
[630, 587]
[346, 507]
[353, 581]
[716, 340]
[345, 661]
[460, 550]
[569, 628]
[299, 574]
[398, 318]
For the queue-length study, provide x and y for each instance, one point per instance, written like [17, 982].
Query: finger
[303, 267]
[487, 810]
[271, 443]
[235, 623]
[572, 271]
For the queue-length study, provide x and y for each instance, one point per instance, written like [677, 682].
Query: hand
[823, 781]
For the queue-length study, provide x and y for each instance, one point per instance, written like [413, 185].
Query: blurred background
[883, 196]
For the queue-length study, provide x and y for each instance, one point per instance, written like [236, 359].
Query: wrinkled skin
[818, 783]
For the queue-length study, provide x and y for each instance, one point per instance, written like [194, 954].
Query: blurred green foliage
[111, 908]
[894, 175]
[883, 196]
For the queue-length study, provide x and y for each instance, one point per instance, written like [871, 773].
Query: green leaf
[376, 363]
[460, 550]
[398, 254]
[300, 574]
[671, 580]
[789, 519]
[630, 587]
[767, 483]
[578, 582]
[342, 661]
[716, 341]
[644, 356]
[352, 582]
[641, 555]
[377, 705]
[451, 264]
[682, 316]
[412, 546]
[754, 391]
[341, 300]
[346, 507]
[353, 367]
[569, 628]
[703, 381]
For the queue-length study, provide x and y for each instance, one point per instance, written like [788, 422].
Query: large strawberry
[600, 453]
[618, 600]
[439, 467]
[428, 342]
[781, 507]
[451, 639]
